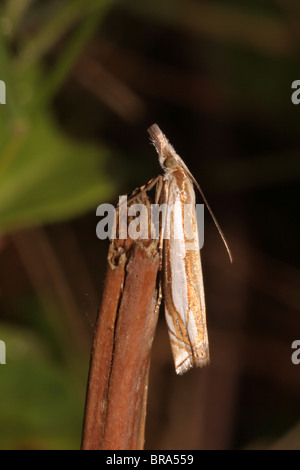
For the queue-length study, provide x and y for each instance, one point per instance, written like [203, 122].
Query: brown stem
[118, 380]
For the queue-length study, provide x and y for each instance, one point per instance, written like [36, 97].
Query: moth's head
[168, 158]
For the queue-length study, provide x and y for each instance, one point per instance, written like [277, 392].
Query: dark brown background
[216, 77]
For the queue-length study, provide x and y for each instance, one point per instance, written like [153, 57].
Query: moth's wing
[183, 286]
[174, 282]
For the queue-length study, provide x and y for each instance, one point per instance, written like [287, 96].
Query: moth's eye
[170, 162]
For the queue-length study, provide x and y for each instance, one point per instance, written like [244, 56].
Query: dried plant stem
[117, 389]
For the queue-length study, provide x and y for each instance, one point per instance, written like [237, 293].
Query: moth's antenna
[211, 212]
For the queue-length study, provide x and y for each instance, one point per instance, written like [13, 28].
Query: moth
[181, 282]
[182, 279]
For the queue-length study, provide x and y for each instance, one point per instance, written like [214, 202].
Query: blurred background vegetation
[84, 80]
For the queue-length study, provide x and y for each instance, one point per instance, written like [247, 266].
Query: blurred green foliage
[41, 407]
[44, 175]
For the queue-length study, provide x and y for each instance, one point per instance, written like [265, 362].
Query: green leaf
[41, 407]
[49, 178]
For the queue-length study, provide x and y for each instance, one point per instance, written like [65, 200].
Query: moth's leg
[163, 189]
[159, 297]
[159, 188]
[145, 188]
[137, 193]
